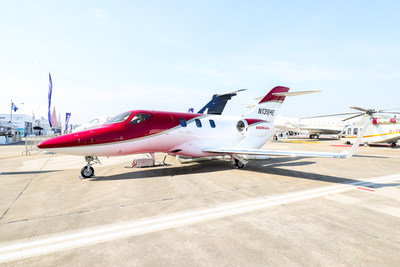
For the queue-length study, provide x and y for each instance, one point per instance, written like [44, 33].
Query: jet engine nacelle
[257, 133]
[242, 127]
[258, 129]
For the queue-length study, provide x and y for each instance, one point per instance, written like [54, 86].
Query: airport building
[21, 124]
[42, 127]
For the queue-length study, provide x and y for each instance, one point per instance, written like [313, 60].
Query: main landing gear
[88, 171]
[238, 162]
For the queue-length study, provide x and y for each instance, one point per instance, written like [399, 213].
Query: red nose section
[56, 142]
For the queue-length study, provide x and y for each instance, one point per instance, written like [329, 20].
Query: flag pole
[11, 112]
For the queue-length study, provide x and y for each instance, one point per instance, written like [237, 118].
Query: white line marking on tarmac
[25, 248]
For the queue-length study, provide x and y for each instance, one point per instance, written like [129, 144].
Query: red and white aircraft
[184, 134]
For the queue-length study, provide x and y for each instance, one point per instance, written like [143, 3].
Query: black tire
[87, 173]
[393, 144]
[239, 164]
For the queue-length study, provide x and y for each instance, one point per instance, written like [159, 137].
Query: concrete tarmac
[277, 212]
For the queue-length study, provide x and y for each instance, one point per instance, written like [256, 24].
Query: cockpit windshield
[119, 118]
[140, 117]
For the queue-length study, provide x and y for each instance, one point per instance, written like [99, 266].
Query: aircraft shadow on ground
[273, 166]
[197, 168]
[27, 172]
[296, 174]
[367, 156]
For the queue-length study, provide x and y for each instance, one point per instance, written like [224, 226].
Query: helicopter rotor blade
[332, 115]
[361, 114]
[388, 110]
[360, 109]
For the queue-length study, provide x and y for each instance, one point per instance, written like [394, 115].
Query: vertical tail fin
[268, 107]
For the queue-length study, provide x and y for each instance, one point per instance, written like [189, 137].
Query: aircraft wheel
[393, 144]
[87, 173]
[239, 164]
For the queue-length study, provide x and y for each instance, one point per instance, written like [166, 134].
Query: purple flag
[67, 116]
[50, 91]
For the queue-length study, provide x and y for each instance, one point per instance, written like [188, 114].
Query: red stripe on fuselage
[250, 122]
[109, 133]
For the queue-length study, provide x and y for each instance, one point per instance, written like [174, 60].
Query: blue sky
[106, 57]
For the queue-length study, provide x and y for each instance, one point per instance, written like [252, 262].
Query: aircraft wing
[244, 151]
[298, 153]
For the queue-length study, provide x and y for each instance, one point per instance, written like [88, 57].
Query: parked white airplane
[312, 126]
[185, 134]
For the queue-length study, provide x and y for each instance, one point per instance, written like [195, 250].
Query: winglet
[360, 136]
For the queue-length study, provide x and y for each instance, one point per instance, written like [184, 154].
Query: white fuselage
[185, 141]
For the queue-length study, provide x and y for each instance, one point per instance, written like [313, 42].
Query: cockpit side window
[349, 131]
[119, 118]
[140, 117]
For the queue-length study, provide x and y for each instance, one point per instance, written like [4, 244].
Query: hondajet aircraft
[185, 134]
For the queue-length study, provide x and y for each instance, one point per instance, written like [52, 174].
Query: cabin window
[349, 131]
[183, 122]
[198, 123]
[355, 131]
[212, 123]
[140, 117]
[119, 118]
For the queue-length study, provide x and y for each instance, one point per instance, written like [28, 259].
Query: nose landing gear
[88, 171]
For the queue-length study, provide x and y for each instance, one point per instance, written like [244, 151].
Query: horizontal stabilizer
[231, 93]
[297, 93]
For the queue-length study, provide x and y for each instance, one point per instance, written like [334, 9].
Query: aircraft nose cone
[56, 142]
[49, 143]
[41, 144]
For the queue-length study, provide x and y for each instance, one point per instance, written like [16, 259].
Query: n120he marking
[266, 111]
